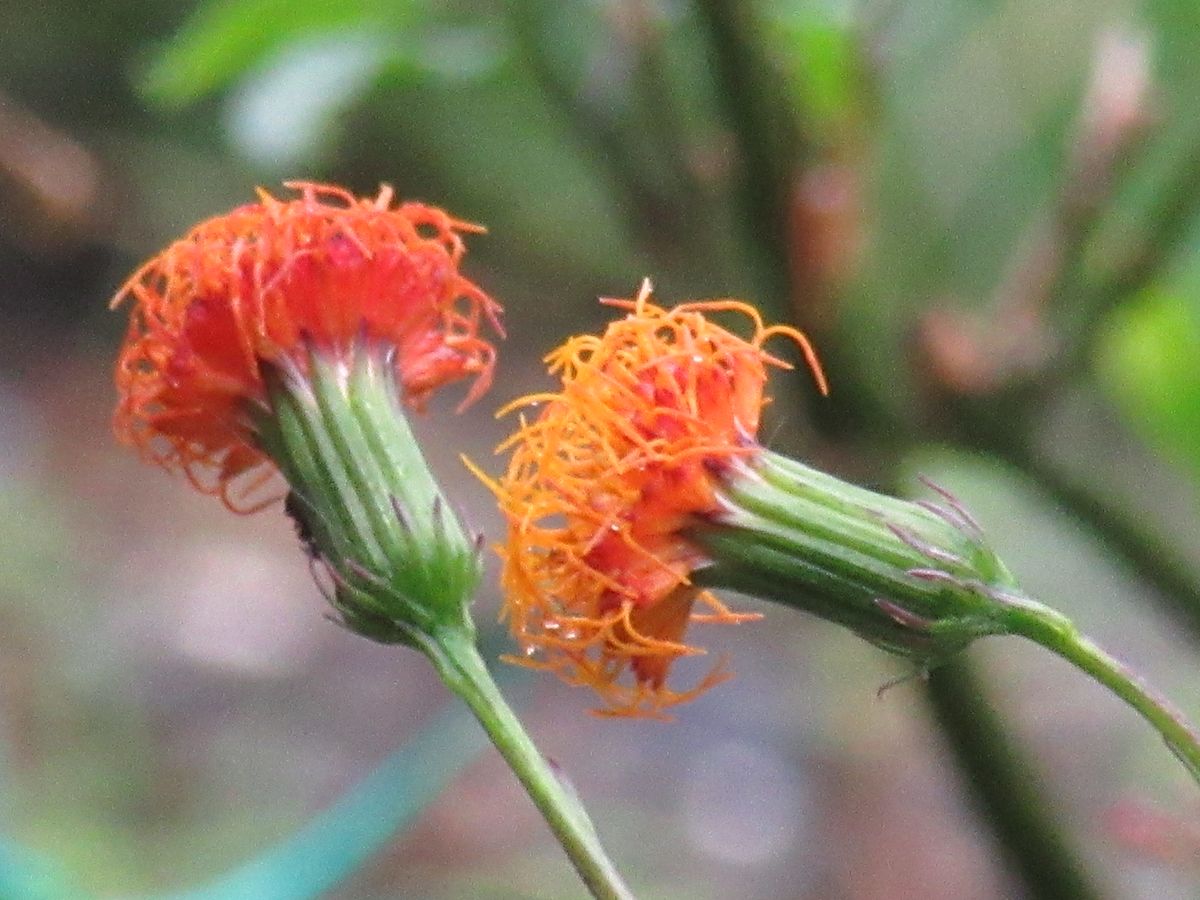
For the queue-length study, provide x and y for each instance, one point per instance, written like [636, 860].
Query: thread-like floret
[604, 478]
[259, 283]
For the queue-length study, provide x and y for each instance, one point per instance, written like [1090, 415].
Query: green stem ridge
[363, 494]
[404, 569]
[915, 578]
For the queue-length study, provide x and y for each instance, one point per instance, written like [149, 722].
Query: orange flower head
[262, 284]
[602, 483]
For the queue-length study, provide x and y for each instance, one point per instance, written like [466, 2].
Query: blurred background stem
[768, 144]
[983, 213]
[1004, 786]
[995, 768]
[1125, 532]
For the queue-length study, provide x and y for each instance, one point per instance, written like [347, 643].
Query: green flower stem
[458, 662]
[1058, 634]
[402, 567]
[915, 578]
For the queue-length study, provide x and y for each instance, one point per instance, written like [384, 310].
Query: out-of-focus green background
[984, 213]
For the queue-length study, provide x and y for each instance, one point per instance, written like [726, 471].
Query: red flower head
[264, 282]
[602, 483]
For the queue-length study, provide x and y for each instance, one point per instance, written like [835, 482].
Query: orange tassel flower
[264, 282]
[602, 482]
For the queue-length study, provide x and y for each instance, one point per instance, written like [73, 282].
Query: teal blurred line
[338, 841]
[26, 875]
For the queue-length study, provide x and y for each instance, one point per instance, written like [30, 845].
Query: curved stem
[1149, 551]
[463, 670]
[1056, 633]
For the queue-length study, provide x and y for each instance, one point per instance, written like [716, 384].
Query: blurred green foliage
[1150, 363]
[222, 41]
[923, 185]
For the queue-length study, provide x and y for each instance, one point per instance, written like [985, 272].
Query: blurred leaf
[225, 38]
[488, 142]
[1148, 362]
[819, 43]
[281, 111]
[338, 841]
[1177, 23]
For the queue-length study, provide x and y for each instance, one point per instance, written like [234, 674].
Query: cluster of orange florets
[603, 481]
[262, 282]
[601, 485]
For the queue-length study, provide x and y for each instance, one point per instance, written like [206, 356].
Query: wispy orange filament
[602, 482]
[255, 285]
